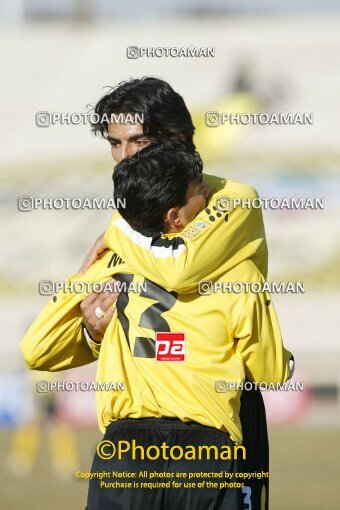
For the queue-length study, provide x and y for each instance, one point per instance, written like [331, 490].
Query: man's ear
[173, 218]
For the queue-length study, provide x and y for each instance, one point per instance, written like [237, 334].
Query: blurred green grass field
[305, 473]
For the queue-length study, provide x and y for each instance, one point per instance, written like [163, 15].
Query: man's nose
[127, 151]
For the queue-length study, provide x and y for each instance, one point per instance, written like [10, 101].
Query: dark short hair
[154, 180]
[164, 111]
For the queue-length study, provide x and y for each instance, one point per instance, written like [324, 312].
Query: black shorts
[255, 440]
[219, 493]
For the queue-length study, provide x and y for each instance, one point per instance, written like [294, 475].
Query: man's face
[178, 218]
[126, 140]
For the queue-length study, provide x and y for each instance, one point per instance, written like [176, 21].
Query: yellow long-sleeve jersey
[218, 239]
[210, 340]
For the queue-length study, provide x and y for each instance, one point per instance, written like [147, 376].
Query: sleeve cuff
[93, 344]
[291, 366]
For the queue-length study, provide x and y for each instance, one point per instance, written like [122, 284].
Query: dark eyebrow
[111, 139]
[131, 138]
[138, 135]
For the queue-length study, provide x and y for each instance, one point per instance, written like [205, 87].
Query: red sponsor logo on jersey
[170, 346]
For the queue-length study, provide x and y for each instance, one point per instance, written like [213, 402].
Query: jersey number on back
[151, 318]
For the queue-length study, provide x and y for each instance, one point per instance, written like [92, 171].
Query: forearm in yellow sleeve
[55, 340]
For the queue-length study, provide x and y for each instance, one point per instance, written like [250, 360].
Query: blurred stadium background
[271, 55]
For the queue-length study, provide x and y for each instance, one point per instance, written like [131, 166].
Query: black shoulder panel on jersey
[167, 243]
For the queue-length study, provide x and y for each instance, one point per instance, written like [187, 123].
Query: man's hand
[92, 255]
[96, 327]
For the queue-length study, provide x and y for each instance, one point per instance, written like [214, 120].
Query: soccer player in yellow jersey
[175, 388]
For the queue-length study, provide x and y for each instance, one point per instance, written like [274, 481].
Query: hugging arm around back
[214, 242]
